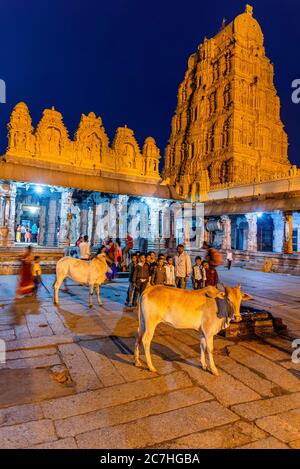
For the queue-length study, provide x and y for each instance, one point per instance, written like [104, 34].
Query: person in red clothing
[128, 248]
[212, 278]
[26, 284]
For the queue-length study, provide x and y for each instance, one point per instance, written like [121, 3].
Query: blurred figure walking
[26, 284]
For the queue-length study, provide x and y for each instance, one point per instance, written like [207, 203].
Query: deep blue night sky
[124, 59]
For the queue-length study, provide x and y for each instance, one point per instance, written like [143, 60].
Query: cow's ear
[246, 297]
[221, 295]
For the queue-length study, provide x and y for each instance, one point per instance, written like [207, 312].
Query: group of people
[27, 234]
[146, 269]
[113, 249]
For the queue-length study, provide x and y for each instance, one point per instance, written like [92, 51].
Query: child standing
[36, 274]
[199, 274]
[170, 272]
[130, 291]
[159, 273]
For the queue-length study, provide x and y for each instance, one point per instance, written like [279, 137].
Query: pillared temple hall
[225, 174]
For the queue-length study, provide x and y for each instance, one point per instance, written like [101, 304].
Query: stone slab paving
[107, 402]
[265, 443]
[266, 368]
[133, 410]
[262, 408]
[224, 437]
[285, 427]
[157, 428]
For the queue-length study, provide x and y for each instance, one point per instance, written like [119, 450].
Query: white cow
[207, 311]
[91, 273]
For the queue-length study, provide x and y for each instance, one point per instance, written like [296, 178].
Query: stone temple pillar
[206, 232]
[65, 218]
[288, 233]
[122, 216]
[105, 223]
[42, 231]
[154, 239]
[51, 219]
[252, 232]
[226, 222]
[7, 214]
[12, 214]
[278, 221]
[2, 207]
[84, 213]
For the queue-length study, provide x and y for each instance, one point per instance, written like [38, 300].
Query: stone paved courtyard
[69, 380]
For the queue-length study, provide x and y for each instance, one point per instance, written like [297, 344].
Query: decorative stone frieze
[49, 144]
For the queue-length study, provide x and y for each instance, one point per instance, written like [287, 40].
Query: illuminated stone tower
[227, 128]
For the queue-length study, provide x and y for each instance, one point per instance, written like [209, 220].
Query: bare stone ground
[69, 379]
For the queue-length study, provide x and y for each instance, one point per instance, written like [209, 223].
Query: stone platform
[10, 258]
[260, 261]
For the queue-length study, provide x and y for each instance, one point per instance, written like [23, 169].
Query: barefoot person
[26, 284]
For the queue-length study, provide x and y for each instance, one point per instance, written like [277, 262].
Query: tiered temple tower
[227, 128]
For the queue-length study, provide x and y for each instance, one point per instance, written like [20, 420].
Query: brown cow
[207, 311]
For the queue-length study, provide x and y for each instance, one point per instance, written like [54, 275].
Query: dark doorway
[265, 232]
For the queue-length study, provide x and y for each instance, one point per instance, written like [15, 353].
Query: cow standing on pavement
[91, 273]
[207, 310]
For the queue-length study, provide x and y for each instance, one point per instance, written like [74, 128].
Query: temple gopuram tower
[227, 128]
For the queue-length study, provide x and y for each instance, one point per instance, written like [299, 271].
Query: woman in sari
[26, 284]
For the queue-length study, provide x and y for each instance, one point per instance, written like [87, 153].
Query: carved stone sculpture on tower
[20, 132]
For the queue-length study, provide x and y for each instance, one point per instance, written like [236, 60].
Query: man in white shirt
[229, 259]
[183, 267]
[84, 249]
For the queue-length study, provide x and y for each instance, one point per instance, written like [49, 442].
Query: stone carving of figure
[53, 140]
[20, 140]
[227, 95]
[93, 146]
[226, 127]
[128, 156]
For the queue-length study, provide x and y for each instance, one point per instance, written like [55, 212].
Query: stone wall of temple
[49, 145]
[227, 128]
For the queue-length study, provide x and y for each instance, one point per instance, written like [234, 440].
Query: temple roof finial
[249, 9]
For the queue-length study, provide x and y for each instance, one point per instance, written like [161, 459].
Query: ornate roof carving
[49, 144]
